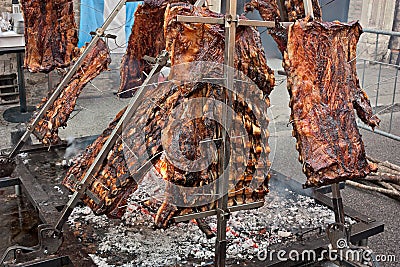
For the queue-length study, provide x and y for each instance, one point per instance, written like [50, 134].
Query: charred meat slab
[186, 43]
[189, 42]
[146, 38]
[113, 183]
[58, 114]
[325, 91]
[50, 34]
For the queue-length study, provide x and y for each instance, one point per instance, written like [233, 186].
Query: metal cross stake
[230, 21]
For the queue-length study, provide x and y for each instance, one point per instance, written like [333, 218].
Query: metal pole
[308, 8]
[66, 79]
[377, 88]
[21, 84]
[376, 47]
[222, 204]
[337, 204]
[393, 99]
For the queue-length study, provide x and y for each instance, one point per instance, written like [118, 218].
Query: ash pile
[133, 241]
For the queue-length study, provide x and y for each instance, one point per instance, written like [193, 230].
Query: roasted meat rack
[51, 236]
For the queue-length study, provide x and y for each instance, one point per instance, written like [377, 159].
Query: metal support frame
[231, 22]
[161, 61]
[386, 102]
[50, 237]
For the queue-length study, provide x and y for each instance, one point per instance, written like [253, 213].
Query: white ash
[133, 242]
[24, 157]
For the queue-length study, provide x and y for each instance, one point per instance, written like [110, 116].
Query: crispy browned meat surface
[50, 34]
[57, 116]
[291, 11]
[324, 91]
[207, 44]
[147, 38]
[113, 183]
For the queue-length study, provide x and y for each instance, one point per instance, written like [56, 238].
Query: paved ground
[98, 106]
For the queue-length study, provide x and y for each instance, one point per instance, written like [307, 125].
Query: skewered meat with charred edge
[207, 44]
[291, 11]
[324, 91]
[189, 42]
[250, 59]
[192, 133]
[50, 34]
[112, 184]
[147, 38]
[295, 9]
[58, 114]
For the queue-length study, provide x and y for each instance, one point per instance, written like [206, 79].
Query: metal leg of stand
[21, 84]
[18, 191]
[337, 204]
[220, 246]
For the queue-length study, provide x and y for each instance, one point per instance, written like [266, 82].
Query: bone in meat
[50, 34]
[324, 91]
[58, 114]
[198, 42]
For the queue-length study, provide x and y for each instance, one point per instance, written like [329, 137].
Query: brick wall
[355, 9]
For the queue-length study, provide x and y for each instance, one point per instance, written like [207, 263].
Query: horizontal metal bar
[380, 63]
[391, 33]
[208, 213]
[195, 19]
[194, 216]
[286, 24]
[328, 189]
[40, 147]
[377, 131]
[9, 181]
[361, 231]
[63, 261]
[212, 20]
[256, 23]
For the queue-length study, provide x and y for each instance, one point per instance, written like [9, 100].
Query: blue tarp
[92, 17]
